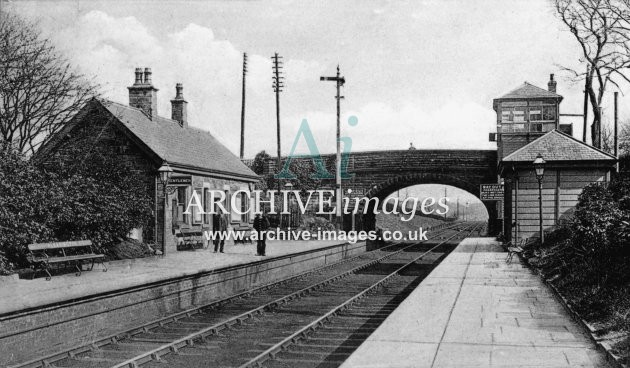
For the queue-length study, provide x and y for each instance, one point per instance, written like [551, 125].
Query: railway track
[252, 327]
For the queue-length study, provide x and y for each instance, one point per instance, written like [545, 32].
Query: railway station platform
[474, 310]
[27, 294]
[39, 317]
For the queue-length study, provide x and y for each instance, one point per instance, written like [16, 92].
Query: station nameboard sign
[180, 180]
[491, 192]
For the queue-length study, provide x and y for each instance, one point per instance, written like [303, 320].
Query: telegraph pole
[243, 107]
[616, 132]
[277, 88]
[340, 81]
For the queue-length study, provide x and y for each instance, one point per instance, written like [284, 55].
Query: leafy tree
[260, 162]
[101, 198]
[39, 89]
[301, 167]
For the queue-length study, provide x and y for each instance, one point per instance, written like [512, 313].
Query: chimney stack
[178, 107]
[142, 94]
[551, 85]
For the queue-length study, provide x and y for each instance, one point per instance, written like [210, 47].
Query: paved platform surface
[22, 294]
[474, 310]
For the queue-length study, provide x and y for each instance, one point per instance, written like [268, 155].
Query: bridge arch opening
[484, 211]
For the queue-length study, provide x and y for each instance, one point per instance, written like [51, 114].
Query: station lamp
[165, 172]
[539, 166]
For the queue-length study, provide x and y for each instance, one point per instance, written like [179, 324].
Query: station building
[528, 127]
[138, 135]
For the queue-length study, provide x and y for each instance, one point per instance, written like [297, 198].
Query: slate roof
[557, 146]
[527, 90]
[189, 147]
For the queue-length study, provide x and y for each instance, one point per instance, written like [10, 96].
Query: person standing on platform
[220, 231]
[261, 225]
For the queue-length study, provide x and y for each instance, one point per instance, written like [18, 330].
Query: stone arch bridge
[380, 173]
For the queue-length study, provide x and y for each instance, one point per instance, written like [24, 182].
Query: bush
[6, 267]
[102, 197]
[99, 198]
[25, 193]
[588, 258]
[126, 249]
[316, 223]
[595, 214]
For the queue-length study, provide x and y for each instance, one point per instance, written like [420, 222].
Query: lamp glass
[539, 166]
[165, 173]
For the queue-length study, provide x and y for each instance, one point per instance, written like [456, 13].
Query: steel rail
[174, 346]
[46, 361]
[72, 353]
[271, 352]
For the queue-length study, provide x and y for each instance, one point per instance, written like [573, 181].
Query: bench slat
[60, 245]
[69, 258]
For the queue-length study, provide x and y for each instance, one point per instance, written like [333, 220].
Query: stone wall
[380, 173]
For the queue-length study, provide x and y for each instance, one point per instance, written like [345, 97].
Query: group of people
[261, 225]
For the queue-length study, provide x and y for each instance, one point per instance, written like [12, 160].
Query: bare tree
[602, 28]
[608, 139]
[624, 137]
[39, 89]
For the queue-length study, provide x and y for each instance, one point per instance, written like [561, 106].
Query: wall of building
[201, 222]
[560, 191]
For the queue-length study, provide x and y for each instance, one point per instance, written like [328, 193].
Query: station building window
[197, 216]
[235, 217]
[182, 200]
[207, 217]
[244, 208]
[537, 117]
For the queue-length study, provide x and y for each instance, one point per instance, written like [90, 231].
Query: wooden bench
[246, 237]
[191, 238]
[515, 249]
[46, 256]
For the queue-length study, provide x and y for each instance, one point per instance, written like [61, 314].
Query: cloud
[210, 69]
[458, 124]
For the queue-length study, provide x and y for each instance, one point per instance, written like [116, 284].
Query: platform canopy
[558, 149]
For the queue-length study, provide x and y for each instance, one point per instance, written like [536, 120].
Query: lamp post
[165, 173]
[539, 167]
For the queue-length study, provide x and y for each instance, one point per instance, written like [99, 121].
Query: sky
[416, 71]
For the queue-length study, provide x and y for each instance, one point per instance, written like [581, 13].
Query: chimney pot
[147, 76]
[179, 91]
[138, 76]
[551, 85]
